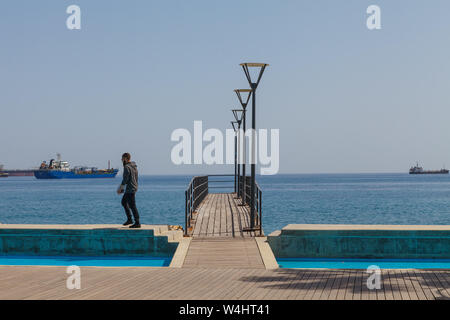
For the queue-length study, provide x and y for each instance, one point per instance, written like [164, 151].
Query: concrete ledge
[361, 241]
[81, 226]
[180, 253]
[90, 240]
[297, 227]
[266, 253]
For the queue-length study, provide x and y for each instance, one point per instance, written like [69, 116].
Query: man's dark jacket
[130, 177]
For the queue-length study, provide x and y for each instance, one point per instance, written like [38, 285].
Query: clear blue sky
[345, 99]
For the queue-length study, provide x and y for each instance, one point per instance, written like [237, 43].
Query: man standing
[130, 180]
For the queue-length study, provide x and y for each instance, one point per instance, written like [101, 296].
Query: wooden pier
[218, 236]
[221, 215]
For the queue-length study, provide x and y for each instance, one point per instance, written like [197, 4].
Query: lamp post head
[243, 96]
[254, 65]
[233, 124]
[238, 115]
[245, 66]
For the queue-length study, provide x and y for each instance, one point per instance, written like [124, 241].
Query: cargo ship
[419, 170]
[58, 169]
[20, 172]
[2, 173]
[17, 172]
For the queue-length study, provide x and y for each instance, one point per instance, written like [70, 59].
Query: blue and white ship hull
[58, 174]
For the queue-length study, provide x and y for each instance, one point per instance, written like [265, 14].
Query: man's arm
[126, 176]
[125, 179]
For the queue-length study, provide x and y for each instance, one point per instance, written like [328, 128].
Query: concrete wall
[85, 241]
[361, 241]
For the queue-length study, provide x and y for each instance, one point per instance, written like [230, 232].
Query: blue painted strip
[325, 236]
[85, 261]
[311, 263]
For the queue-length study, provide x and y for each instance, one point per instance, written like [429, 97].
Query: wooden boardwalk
[37, 282]
[223, 253]
[218, 239]
[221, 215]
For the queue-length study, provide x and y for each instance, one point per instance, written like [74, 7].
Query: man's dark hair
[126, 155]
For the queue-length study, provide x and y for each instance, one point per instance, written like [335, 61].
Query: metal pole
[253, 164]
[260, 212]
[235, 162]
[253, 86]
[185, 213]
[238, 162]
[244, 190]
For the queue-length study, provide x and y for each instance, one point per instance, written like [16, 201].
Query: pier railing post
[235, 163]
[185, 213]
[260, 212]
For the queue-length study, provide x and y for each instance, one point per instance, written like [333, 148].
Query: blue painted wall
[407, 244]
[95, 242]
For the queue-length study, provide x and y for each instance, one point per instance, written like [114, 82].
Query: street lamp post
[238, 114]
[235, 154]
[253, 86]
[244, 102]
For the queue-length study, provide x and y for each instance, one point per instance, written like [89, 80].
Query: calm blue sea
[303, 198]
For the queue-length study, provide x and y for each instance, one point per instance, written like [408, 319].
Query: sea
[387, 198]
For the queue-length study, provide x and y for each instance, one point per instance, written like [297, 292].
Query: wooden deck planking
[230, 217]
[223, 253]
[427, 292]
[221, 215]
[38, 282]
[199, 218]
[210, 212]
[409, 285]
[214, 213]
[234, 216]
[418, 289]
[445, 280]
[335, 285]
[388, 286]
[224, 230]
[443, 290]
[342, 288]
[217, 237]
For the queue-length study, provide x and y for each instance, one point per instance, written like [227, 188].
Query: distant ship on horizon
[419, 170]
[2, 173]
[15, 172]
[58, 169]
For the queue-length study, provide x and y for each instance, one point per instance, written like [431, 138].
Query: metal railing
[246, 198]
[197, 190]
[200, 186]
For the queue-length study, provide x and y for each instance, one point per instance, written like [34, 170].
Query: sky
[346, 99]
